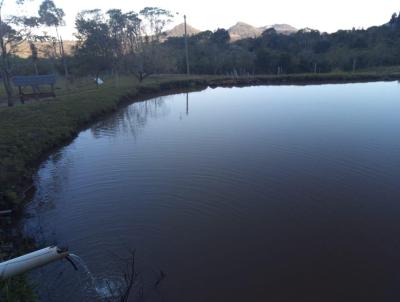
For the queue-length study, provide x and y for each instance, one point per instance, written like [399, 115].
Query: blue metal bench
[34, 82]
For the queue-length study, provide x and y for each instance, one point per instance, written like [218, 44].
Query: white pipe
[23, 264]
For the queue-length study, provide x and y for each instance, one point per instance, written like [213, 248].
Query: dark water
[255, 194]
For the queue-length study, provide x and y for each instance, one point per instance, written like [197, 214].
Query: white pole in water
[23, 264]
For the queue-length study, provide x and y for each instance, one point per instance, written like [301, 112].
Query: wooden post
[52, 91]
[21, 95]
[5, 212]
[36, 92]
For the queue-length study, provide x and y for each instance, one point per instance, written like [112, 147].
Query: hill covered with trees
[117, 42]
[304, 51]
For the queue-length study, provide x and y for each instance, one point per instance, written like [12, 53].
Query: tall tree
[13, 31]
[34, 56]
[52, 16]
[157, 19]
[393, 20]
[119, 25]
[148, 56]
[94, 50]
[220, 37]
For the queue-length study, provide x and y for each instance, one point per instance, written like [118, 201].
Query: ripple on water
[262, 193]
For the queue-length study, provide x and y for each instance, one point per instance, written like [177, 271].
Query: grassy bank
[28, 133]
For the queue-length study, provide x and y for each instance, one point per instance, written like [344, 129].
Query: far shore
[83, 84]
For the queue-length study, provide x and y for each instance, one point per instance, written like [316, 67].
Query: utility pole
[64, 61]
[187, 103]
[186, 49]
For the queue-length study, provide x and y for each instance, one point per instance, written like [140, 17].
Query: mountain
[285, 29]
[179, 30]
[238, 31]
[243, 30]
[45, 49]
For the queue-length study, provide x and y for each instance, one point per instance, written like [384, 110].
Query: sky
[324, 15]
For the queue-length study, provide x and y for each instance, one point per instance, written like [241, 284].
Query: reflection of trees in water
[49, 183]
[52, 281]
[54, 173]
[131, 119]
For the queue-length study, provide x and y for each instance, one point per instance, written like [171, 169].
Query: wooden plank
[52, 91]
[6, 212]
[7, 247]
[34, 80]
[42, 94]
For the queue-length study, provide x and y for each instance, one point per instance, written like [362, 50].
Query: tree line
[306, 51]
[116, 42]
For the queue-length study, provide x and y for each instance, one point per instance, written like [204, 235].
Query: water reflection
[54, 176]
[262, 193]
[187, 103]
[131, 119]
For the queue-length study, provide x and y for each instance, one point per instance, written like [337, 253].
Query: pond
[270, 193]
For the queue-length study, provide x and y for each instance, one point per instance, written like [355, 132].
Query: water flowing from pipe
[101, 287]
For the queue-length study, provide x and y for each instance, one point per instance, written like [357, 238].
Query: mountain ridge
[179, 30]
[239, 31]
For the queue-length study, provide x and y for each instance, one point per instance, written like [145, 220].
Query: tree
[13, 31]
[116, 27]
[32, 40]
[124, 31]
[9, 38]
[125, 41]
[132, 31]
[148, 57]
[269, 32]
[393, 21]
[52, 16]
[94, 48]
[220, 37]
[321, 46]
[34, 56]
[157, 19]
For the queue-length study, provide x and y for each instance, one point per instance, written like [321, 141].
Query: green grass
[27, 132]
[16, 290]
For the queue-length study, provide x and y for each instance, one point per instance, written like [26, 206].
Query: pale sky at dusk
[211, 14]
